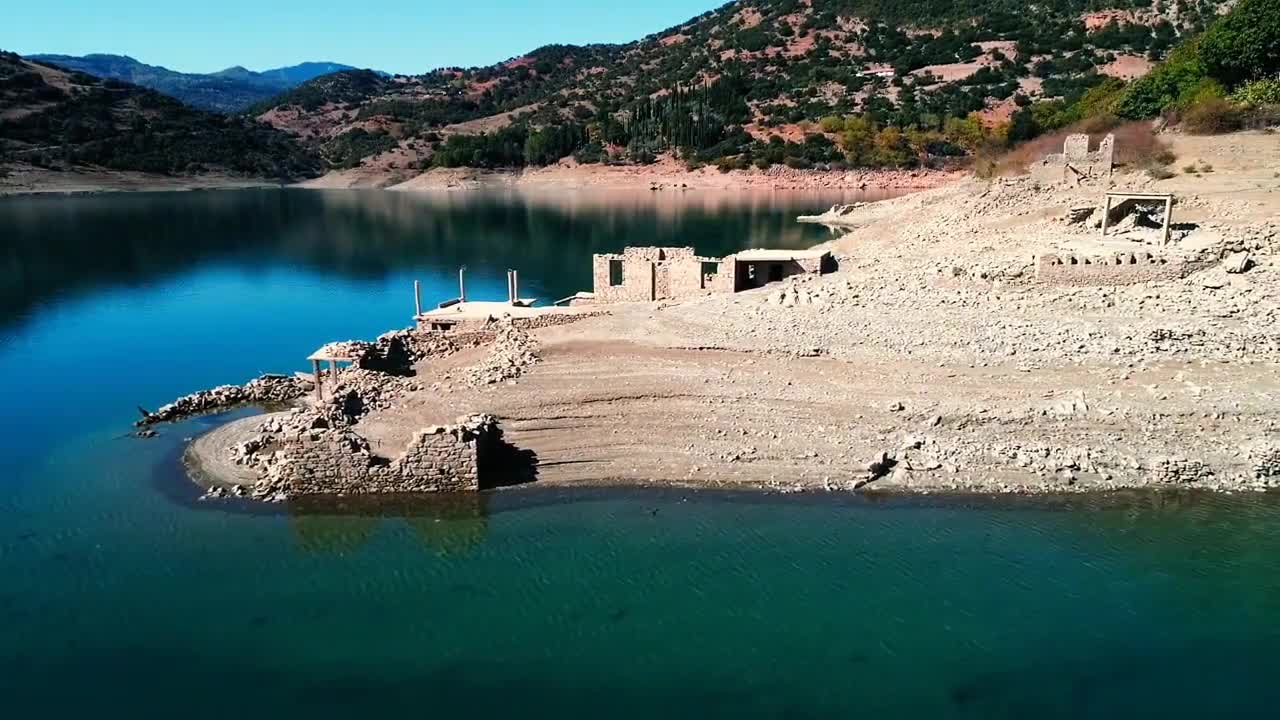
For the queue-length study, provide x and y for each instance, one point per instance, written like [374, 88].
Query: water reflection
[55, 246]
[447, 524]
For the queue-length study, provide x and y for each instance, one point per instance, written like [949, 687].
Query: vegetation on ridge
[57, 119]
[820, 83]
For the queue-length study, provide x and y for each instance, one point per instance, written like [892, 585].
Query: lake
[121, 593]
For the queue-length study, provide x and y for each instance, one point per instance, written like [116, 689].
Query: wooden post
[315, 370]
[417, 299]
[462, 288]
[1106, 214]
[1168, 221]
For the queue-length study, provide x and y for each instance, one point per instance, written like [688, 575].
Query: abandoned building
[640, 274]
[1076, 162]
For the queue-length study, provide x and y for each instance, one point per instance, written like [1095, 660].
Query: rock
[896, 406]
[1214, 279]
[146, 433]
[1237, 262]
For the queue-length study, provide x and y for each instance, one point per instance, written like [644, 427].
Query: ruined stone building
[640, 274]
[1076, 162]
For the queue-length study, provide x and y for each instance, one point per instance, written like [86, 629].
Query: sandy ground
[931, 347]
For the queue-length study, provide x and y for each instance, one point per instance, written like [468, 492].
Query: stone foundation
[337, 461]
[1118, 269]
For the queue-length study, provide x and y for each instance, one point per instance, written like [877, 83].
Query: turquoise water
[120, 594]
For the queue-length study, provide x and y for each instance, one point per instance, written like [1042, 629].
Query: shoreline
[21, 181]
[28, 180]
[934, 359]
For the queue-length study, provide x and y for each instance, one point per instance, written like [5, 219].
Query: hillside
[59, 119]
[230, 90]
[756, 82]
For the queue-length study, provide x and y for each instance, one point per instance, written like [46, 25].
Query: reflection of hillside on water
[444, 523]
[145, 238]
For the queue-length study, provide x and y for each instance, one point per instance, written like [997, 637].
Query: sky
[398, 36]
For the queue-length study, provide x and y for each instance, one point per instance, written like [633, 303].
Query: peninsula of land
[983, 336]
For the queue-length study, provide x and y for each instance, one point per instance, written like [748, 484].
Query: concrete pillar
[417, 299]
[462, 287]
[315, 371]
[1168, 221]
[515, 286]
[333, 371]
[1106, 214]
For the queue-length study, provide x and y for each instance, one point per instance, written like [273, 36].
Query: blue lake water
[120, 593]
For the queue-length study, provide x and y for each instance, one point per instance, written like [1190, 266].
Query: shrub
[1204, 90]
[1165, 85]
[1258, 92]
[1214, 116]
[1245, 43]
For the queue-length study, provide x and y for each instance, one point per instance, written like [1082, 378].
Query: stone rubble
[267, 389]
[511, 353]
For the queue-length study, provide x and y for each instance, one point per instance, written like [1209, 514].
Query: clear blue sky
[404, 36]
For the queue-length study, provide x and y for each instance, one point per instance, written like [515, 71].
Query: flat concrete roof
[481, 310]
[766, 255]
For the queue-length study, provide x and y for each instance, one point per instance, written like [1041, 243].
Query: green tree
[1245, 43]
[858, 141]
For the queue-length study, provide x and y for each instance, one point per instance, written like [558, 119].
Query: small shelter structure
[1165, 199]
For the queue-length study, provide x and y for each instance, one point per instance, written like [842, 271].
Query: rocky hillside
[230, 90]
[748, 83]
[55, 118]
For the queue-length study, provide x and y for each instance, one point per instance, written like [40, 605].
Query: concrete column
[515, 286]
[315, 371]
[462, 287]
[417, 299]
[1168, 221]
[333, 371]
[1106, 214]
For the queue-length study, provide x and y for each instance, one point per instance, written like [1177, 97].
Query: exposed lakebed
[118, 585]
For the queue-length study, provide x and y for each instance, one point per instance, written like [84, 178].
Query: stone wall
[320, 460]
[1117, 269]
[1076, 161]
[754, 274]
[659, 273]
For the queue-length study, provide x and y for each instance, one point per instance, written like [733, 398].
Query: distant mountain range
[230, 90]
[60, 119]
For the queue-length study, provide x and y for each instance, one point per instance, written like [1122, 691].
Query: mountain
[753, 82]
[57, 118]
[230, 90]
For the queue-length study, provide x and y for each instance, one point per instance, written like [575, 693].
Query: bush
[1258, 92]
[1174, 79]
[1245, 43]
[1214, 116]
